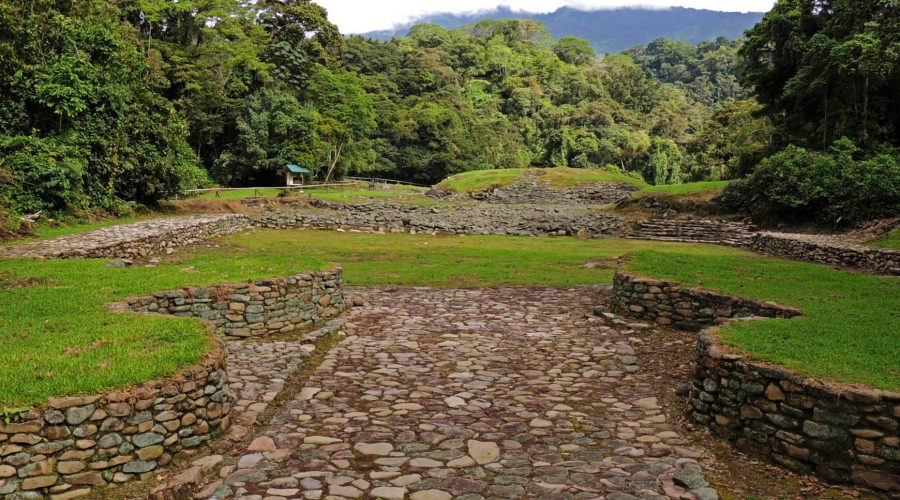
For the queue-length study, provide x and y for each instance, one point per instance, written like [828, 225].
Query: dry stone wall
[486, 219]
[77, 443]
[829, 251]
[667, 303]
[847, 435]
[254, 309]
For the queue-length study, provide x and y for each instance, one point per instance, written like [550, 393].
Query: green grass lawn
[890, 240]
[850, 330]
[561, 177]
[688, 188]
[58, 337]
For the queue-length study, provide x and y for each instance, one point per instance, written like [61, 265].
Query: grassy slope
[689, 188]
[57, 337]
[890, 240]
[483, 180]
[850, 330]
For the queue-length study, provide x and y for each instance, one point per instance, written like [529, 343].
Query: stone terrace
[492, 393]
[524, 220]
[138, 239]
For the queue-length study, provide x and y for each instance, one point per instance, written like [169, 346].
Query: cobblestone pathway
[130, 240]
[482, 393]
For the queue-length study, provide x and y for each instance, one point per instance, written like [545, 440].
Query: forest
[105, 106]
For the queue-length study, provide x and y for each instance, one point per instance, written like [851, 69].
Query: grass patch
[686, 189]
[850, 331]
[890, 240]
[58, 337]
[559, 177]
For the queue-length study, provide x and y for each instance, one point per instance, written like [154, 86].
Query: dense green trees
[502, 94]
[824, 69]
[81, 123]
[827, 74]
[107, 104]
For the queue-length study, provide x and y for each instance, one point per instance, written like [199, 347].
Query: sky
[360, 16]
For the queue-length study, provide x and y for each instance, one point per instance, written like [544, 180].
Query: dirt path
[476, 393]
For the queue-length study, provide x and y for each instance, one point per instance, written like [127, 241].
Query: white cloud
[355, 16]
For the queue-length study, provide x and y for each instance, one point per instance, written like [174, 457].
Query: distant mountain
[610, 30]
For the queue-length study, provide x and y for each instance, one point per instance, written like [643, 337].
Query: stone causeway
[138, 239]
[505, 392]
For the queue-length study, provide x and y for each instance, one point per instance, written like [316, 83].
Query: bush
[838, 187]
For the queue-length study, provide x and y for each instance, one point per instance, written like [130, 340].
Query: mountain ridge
[609, 31]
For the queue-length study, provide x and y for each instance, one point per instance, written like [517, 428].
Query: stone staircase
[694, 231]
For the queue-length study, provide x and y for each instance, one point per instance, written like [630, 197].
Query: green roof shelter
[293, 172]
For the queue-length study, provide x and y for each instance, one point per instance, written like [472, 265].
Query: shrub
[838, 187]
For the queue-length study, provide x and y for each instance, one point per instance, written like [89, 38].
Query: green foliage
[841, 186]
[574, 50]
[706, 72]
[823, 70]
[664, 166]
[730, 142]
[500, 94]
[82, 128]
[274, 129]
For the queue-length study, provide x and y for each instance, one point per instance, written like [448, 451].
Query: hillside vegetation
[609, 31]
[107, 106]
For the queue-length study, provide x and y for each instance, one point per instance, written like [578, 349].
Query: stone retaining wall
[694, 231]
[254, 309]
[77, 443]
[128, 241]
[667, 303]
[827, 250]
[487, 219]
[846, 435]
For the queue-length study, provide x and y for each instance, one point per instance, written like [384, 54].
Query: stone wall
[667, 303]
[695, 231]
[828, 250]
[76, 443]
[453, 219]
[127, 241]
[254, 309]
[847, 435]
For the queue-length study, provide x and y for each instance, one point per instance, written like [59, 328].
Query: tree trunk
[334, 161]
[865, 121]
